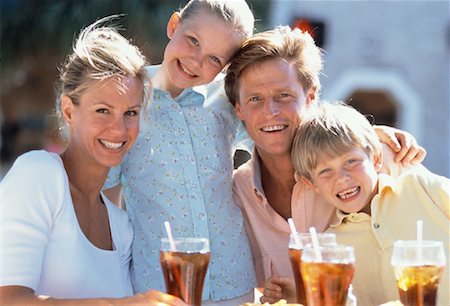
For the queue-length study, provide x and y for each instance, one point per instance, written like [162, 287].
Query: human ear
[378, 161]
[311, 95]
[67, 107]
[173, 23]
[310, 184]
[238, 110]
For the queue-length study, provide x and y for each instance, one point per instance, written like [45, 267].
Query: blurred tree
[35, 35]
[29, 27]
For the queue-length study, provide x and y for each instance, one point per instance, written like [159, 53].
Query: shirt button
[376, 225]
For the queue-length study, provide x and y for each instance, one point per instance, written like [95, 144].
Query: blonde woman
[63, 242]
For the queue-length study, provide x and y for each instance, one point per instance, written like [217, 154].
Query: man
[272, 80]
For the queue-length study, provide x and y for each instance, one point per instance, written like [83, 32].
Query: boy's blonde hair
[283, 43]
[236, 13]
[330, 130]
[99, 53]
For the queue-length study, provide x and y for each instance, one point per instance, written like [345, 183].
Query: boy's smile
[349, 181]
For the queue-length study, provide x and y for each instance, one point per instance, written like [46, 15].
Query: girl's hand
[402, 143]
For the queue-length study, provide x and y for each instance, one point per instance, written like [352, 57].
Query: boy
[337, 152]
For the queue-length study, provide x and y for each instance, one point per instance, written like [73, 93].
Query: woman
[63, 242]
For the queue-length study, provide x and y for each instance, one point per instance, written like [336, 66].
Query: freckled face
[105, 122]
[349, 181]
[271, 103]
[198, 50]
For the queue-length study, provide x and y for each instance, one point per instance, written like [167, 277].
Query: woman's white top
[42, 244]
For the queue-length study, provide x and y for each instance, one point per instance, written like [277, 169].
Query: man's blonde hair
[293, 46]
[330, 130]
[99, 53]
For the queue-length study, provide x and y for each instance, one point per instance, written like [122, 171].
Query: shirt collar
[385, 182]
[256, 171]
[343, 217]
[201, 89]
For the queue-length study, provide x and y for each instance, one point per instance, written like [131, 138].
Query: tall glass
[328, 278]
[418, 268]
[184, 263]
[295, 255]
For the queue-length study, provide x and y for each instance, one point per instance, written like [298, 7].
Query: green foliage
[30, 27]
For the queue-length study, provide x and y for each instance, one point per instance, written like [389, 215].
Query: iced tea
[418, 267]
[327, 283]
[295, 255]
[327, 274]
[295, 258]
[184, 274]
[418, 286]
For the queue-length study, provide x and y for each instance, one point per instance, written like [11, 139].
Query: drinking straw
[298, 242]
[315, 242]
[419, 230]
[419, 239]
[170, 236]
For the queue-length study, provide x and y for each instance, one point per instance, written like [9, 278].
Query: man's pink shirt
[267, 230]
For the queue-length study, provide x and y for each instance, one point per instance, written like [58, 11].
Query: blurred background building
[390, 59]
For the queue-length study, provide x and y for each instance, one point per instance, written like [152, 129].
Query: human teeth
[186, 70]
[112, 145]
[273, 128]
[348, 193]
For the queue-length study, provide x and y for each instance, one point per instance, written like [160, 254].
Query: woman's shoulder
[39, 157]
[37, 162]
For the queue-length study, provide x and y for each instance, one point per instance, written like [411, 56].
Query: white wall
[398, 46]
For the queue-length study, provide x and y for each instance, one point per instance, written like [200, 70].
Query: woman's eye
[102, 111]
[131, 113]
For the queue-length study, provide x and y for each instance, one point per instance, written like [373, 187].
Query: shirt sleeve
[30, 199]
[436, 187]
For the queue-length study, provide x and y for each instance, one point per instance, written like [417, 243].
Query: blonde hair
[99, 53]
[283, 43]
[235, 13]
[330, 130]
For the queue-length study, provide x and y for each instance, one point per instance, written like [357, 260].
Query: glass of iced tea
[295, 255]
[327, 277]
[184, 263]
[418, 267]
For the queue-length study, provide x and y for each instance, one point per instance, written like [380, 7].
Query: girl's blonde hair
[330, 130]
[236, 13]
[99, 53]
[293, 46]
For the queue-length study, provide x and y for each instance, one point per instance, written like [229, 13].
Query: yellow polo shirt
[416, 195]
